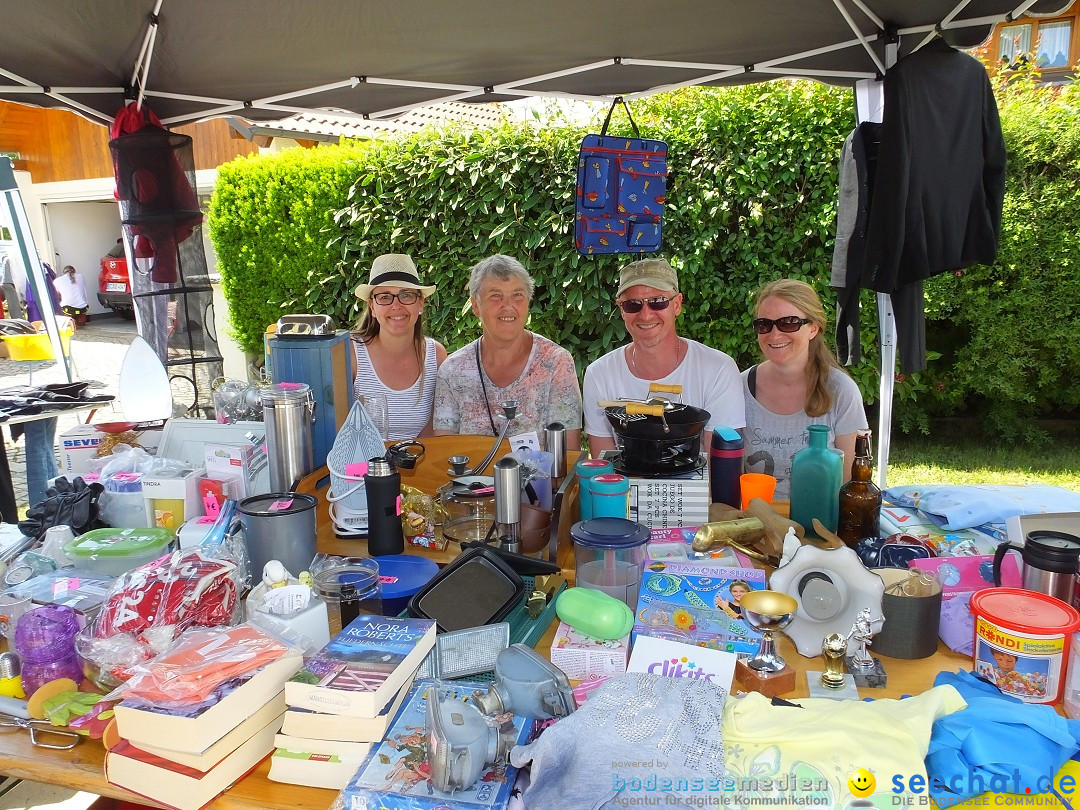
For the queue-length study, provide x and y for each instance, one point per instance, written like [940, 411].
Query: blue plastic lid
[402, 575]
[609, 532]
[726, 438]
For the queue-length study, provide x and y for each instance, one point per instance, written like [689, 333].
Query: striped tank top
[409, 414]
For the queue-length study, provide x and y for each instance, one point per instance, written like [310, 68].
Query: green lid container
[117, 551]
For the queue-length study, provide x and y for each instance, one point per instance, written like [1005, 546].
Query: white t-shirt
[770, 440]
[709, 380]
[72, 291]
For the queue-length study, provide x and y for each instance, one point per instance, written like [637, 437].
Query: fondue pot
[658, 439]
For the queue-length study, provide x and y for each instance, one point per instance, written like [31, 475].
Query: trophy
[766, 672]
[867, 670]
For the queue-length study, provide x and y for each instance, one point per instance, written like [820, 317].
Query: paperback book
[362, 667]
[195, 731]
[173, 785]
[310, 769]
[341, 727]
[345, 750]
[395, 774]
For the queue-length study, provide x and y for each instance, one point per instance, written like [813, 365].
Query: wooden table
[83, 767]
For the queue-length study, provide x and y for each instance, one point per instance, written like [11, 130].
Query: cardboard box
[583, 658]
[664, 503]
[80, 444]
[242, 463]
[186, 488]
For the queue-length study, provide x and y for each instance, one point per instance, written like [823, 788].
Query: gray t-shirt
[772, 439]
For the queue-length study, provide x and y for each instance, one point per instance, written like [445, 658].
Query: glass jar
[349, 587]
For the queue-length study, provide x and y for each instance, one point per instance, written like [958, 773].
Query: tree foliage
[751, 197]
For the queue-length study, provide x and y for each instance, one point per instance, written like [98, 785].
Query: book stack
[183, 758]
[343, 699]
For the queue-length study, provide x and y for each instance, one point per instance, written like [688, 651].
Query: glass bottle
[816, 473]
[860, 498]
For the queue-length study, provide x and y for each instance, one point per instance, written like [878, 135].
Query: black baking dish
[477, 588]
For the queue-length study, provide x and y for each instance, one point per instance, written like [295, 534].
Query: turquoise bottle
[817, 472]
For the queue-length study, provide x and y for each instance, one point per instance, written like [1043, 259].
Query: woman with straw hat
[394, 359]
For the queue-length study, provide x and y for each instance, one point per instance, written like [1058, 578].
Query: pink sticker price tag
[357, 470]
[126, 476]
[279, 506]
[397, 505]
[65, 584]
[385, 580]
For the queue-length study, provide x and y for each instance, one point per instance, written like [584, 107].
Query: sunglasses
[405, 296]
[633, 305]
[789, 323]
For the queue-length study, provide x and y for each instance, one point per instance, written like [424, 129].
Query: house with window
[1053, 43]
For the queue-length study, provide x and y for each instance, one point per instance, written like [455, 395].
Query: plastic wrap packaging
[201, 661]
[149, 607]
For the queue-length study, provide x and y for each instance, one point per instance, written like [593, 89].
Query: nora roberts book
[340, 727]
[361, 668]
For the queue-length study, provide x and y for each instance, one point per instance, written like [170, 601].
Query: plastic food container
[35, 347]
[117, 551]
[609, 556]
[1022, 642]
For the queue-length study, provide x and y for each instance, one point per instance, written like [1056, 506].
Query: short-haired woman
[507, 362]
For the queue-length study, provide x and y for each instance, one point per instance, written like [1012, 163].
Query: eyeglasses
[789, 323]
[405, 296]
[633, 305]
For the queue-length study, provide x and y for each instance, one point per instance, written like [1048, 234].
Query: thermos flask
[726, 465]
[383, 485]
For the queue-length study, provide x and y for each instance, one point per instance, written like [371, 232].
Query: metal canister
[288, 413]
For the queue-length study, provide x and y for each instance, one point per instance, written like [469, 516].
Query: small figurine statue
[863, 633]
[833, 647]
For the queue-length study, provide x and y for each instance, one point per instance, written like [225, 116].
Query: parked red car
[114, 283]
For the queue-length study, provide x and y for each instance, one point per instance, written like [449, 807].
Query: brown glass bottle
[860, 499]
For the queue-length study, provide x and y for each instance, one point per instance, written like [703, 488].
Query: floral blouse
[547, 391]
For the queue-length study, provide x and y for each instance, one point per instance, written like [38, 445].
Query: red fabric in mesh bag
[181, 590]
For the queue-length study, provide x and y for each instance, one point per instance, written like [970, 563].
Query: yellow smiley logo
[861, 783]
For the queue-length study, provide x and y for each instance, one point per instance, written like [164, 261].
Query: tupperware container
[609, 556]
[117, 551]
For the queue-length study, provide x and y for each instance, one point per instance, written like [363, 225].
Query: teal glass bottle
[816, 475]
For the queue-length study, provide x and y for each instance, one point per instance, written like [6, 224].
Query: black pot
[683, 423]
[647, 449]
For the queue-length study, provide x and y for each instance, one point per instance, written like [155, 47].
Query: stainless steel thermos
[383, 484]
[1050, 563]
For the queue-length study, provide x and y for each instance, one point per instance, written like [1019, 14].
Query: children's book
[180, 787]
[699, 602]
[362, 667]
[396, 774]
[340, 727]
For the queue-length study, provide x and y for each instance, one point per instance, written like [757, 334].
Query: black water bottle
[383, 485]
[725, 466]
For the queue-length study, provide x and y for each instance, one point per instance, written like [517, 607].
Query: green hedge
[752, 195]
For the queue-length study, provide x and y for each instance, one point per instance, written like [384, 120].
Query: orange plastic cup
[756, 485]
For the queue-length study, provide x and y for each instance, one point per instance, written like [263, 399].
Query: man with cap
[649, 300]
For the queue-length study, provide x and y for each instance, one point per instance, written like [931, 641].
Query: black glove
[67, 503]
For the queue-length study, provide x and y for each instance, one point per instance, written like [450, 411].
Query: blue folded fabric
[998, 743]
[970, 505]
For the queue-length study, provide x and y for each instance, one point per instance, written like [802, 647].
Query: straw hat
[393, 270]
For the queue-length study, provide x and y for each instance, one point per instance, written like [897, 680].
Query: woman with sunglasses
[649, 301]
[507, 363]
[394, 359]
[799, 383]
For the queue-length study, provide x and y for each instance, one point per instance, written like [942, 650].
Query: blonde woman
[797, 384]
[394, 359]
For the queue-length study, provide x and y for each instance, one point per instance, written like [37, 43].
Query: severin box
[77, 447]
